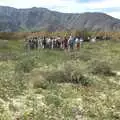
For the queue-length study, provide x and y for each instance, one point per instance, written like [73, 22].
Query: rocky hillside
[35, 19]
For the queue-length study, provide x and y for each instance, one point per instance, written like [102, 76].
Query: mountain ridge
[39, 19]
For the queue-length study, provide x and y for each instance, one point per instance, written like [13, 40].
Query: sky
[110, 7]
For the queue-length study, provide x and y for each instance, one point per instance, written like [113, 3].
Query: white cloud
[114, 14]
[35, 3]
[104, 4]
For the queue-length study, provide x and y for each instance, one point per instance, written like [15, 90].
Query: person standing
[44, 42]
[77, 42]
[65, 43]
[81, 42]
[71, 43]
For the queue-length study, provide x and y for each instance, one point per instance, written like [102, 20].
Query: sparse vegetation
[47, 84]
[102, 68]
[25, 65]
[69, 72]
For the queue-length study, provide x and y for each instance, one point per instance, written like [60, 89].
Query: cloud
[35, 3]
[111, 7]
[104, 4]
[114, 14]
[69, 6]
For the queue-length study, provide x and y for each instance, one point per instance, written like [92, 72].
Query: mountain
[36, 19]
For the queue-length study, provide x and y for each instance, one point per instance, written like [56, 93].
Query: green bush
[40, 84]
[101, 68]
[53, 99]
[70, 73]
[25, 65]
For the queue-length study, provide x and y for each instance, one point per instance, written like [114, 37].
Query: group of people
[66, 43]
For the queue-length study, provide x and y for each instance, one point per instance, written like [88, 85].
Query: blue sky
[84, 1]
[110, 7]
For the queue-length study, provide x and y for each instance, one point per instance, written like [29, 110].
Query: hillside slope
[35, 19]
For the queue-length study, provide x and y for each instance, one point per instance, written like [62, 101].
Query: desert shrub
[70, 73]
[101, 68]
[85, 57]
[40, 84]
[68, 77]
[53, 99]
[25, 65]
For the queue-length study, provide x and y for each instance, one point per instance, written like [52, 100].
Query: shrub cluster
[25, 65]
[101, 68]
[69, 73]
